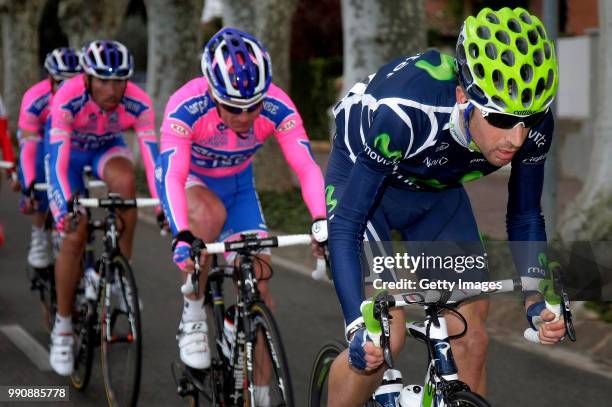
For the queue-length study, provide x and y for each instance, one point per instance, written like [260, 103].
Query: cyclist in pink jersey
[212, 127]
[61, 64]
[89, 114]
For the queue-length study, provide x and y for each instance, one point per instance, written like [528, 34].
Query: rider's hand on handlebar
[319, 237]
[550, 331]
[363, 354]
[181, 250]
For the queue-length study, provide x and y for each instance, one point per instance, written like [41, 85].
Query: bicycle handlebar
[116, 202]
[247, 244]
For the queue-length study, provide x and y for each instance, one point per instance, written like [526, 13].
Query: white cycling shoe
[193, 344]
[39, 255]
[61, 356]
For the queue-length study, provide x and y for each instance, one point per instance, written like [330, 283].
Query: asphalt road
[307, 313]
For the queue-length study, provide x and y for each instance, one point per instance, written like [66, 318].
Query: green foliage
[603, 309]
[285, 211]
[314, 92]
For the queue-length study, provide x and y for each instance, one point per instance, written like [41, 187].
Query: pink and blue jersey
[82, 133]
[32, 118]
[197, 145]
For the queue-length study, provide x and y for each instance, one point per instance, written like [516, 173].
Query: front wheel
[120, 334]
[271, 379]
[467, 399]
[319, 376]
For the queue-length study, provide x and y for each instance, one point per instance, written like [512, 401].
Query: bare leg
[119, 176]
[349, 387]
[470, 351]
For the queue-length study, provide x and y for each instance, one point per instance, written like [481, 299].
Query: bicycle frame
[247, 293]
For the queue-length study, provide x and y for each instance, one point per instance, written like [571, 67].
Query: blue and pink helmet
[237, 68]
[106, 59]
[62, 63]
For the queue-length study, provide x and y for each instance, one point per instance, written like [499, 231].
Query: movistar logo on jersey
[443, 72]
[381, 142]
[329, 200]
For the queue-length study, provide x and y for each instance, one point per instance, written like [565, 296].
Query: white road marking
[28, 345]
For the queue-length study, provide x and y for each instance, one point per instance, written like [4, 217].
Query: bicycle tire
[317, 385]
[121, 365]
[317, 388]
[280, 387]
[84, 327]
[467, 399]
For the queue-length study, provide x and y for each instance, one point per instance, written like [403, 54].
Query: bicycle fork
[441, 369]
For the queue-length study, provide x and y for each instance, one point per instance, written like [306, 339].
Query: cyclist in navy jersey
[406, 140]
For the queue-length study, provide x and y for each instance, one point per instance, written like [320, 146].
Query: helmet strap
[466, 122]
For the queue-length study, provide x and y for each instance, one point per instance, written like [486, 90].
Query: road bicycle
[107, 311]
[42, 280]
[247, 340]
[442, 386]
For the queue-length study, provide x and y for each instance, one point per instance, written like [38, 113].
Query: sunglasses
[506, 121]
[238, 110]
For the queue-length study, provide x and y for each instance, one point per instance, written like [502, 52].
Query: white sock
[63, 325]
[193, 310]
[262, 396]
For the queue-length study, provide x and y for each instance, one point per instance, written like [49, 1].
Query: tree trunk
[589, 216]
[377, 31]
[270, 22]
[174, 54]
[20, 64]
[85, 21]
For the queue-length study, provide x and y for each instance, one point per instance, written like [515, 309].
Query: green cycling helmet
[506, 63]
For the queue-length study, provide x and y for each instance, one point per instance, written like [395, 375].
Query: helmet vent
[492, 18]
[547, 50]
[533, 37]
[526, 19]
[461, 54]
[467, 74]
[483, 32]
[538, 57]
[526, 97]
[539, 88]
[479, 71]
[491, 50]
[498, 79]
[507, 57]
[526, 73]
[478, 92]
[512, 89]
[473, 49]
[522, 45]
[550, 79]
[541, 32]
[499, 102]
[514, 25]
[502, 36]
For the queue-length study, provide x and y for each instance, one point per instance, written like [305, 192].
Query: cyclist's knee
[124, 185]
[118, 174]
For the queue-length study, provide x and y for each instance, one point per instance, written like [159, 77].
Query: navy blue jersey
[400, 129]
